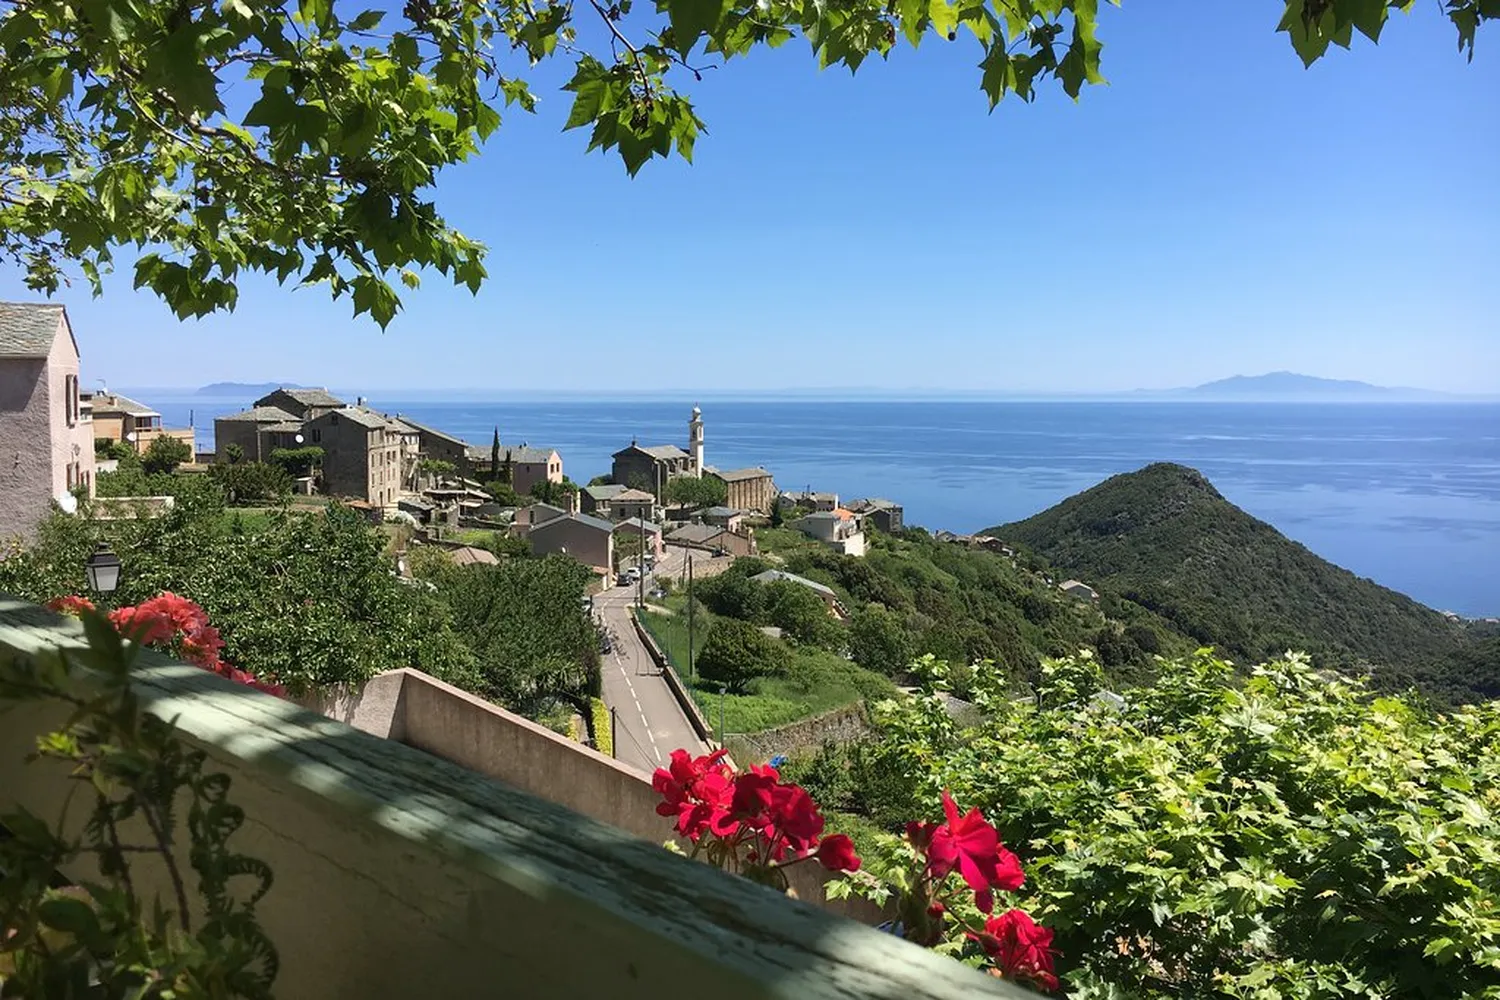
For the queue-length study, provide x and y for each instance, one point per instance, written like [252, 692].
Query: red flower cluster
[168, 621]
[971, 846]
[750, 816]
[73, 605]
[1020, 948]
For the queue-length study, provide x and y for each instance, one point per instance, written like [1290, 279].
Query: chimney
[359, 401]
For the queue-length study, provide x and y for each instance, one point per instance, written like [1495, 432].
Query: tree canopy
[119, 127]
[696, 491]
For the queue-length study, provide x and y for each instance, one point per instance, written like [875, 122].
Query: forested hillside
[1164, 538]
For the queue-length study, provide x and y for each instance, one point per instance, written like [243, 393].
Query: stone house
[304, 404]
[728, 518]
[46, 436]
[1078, 589]
[529, 466]
[838, 529]
[439, 446]
[588, 539]
[618, 503]
[635, 527]
[411, 449]
[120, 418]
[258, 431]
[747, 489]
[809, 499]
[649, 468]
[529, 517]
[361, 456]
[885, 515]
[713, 538]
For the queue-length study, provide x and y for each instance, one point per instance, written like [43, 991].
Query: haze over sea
[1405, 494]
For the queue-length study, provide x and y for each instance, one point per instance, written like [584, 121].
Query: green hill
[1164, 538]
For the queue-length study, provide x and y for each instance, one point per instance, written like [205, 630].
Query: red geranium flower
[71, 605]
[1020, 947]
[145, 627]
[971, 846]
[697, 791]
[836, 853]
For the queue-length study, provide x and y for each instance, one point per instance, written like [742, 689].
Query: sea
[1407, 495]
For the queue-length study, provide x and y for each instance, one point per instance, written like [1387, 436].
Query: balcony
[400, 874]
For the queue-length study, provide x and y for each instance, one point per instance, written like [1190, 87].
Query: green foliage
[557, 494]
[599, 724]
[696, 491]
[119, 129]
[504, 495]
[110, 449]
[533, 639]
[298, 461]
[737, 652]
[600, 481]
[105, 937]
[165, 454]
[131, 479]
[802, 615]
[1163, 538]
[1285, 835]
[879, 640]
[251, 483]
[306, 598]
[234, 453]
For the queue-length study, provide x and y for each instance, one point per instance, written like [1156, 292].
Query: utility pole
[614, 729]
[723, 694]
[692, 672]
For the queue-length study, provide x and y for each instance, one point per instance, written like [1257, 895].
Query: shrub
[737, 652]
[248, 483]
[165, 454]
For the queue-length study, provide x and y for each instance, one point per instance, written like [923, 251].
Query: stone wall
[842, 725]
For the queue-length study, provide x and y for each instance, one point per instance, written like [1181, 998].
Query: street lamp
[103, 568]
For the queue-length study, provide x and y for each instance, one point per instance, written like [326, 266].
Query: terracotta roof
[27, 329]
[631, 495]
[468, 555]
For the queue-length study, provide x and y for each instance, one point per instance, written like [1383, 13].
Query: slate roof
[632, 495]
[27, 329]
[113, 402]
[605, 491]
[772, 575]
[263, 415]
[365, 418]
[661, 452]
[523, 453]
[722, 512]
[739, 475]
[433, 431]
[700, 534]
[587, 520]
[644, 527]
[307, 397]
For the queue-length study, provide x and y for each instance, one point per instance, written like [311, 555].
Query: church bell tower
[695, 441]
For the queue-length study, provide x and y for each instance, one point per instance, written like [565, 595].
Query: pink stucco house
[46, 438]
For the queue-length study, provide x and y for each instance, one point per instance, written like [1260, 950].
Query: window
[72, 469]
[317, 434]
[70, 400]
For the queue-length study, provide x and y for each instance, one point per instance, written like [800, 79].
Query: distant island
[252, 389]
[1290, 386]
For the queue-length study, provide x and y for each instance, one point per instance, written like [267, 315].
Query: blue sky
[1215, 210]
